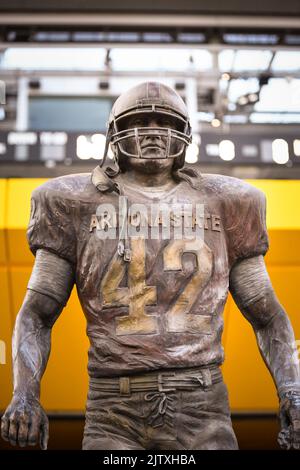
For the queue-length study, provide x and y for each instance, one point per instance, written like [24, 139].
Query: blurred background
[237, 67]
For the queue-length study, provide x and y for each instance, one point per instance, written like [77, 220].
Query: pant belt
[166, 381]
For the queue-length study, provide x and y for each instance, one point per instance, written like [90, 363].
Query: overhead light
[192, 153]
[191, 37]
[225, 76]
[53, 138]
[253, 97]
[92, 147]
[296, 145]
[86, 36]
[235, 118]
[50, 164]
[249, 98]
[205, 117]
[275, 118]
[226, 150]
[243, 100]
[83, 147]
[292, 39]
[216, 122]
[246, 38]
[68, 161]
[22, 138]
[212, 150]
[157, 37]
[98, 143]
[250, 150]
[231, 106]
[280, 151]
[2, 148]
[48, 36]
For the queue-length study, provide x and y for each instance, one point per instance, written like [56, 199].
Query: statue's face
[153, 146]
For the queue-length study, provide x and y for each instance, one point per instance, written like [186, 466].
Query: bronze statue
[153, 303]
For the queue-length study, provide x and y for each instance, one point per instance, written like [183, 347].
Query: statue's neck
[138, 178]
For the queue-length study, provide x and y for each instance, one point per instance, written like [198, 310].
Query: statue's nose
[154, 134]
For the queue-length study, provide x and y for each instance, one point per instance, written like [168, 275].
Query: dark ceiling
[230, 7]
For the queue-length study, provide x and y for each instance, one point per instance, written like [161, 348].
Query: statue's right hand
[25, 422]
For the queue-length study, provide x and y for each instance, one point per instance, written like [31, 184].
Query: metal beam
[152, 20]
[208, 76]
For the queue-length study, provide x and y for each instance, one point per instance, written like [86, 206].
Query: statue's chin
[150, 165]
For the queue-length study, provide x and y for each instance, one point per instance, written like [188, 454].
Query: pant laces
[162, 402]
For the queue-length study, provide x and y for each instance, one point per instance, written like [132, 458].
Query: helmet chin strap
[111, 172]
[107, 142]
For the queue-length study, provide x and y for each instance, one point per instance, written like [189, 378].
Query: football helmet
[151, 99]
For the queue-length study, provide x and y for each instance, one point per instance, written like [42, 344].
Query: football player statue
[153, 303]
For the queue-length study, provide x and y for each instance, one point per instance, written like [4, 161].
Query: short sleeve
[246, 230]
[50, 226]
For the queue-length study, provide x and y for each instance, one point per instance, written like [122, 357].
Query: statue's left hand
[289, 414]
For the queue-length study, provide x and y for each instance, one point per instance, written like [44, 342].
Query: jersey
[163, 308]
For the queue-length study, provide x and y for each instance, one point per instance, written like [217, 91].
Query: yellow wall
[64, 385]
[250, 385]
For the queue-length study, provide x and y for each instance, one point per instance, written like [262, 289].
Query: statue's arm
[253, 293]
[24, 421]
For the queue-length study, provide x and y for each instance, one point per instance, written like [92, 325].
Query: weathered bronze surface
[153, 305]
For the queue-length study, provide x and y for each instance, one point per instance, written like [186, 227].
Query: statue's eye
[166, 123]
[138, 123]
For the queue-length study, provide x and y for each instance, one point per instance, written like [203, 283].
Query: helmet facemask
[129, 142]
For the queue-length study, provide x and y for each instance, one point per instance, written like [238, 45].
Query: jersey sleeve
[246, 224]
[50, 226]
